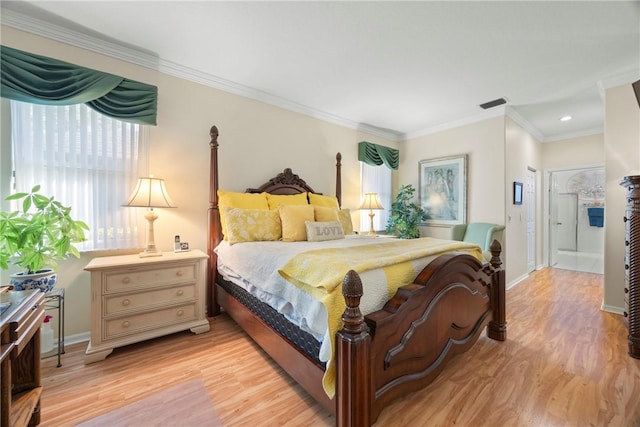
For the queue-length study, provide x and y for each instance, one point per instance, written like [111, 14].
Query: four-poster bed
[381, 355]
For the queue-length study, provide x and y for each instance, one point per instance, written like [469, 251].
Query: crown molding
[489, 114]
[620, 79]
[525, 124]
[571, 135]
[114, 50]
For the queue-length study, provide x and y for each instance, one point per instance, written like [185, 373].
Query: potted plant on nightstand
[35, 237]
[406, 215]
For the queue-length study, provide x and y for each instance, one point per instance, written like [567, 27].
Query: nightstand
[136, 298]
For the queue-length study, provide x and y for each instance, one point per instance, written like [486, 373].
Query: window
[375, 179]
[85, 160]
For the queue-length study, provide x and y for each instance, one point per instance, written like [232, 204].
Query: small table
[54, 300]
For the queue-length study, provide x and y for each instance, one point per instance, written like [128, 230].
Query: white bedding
[260, 277]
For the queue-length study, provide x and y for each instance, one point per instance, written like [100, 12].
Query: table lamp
[372, 203]
[150, 193]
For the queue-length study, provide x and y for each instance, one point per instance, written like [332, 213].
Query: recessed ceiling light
[565, 118]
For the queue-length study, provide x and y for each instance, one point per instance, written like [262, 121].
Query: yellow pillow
[252, 225]
[321, 231]
[293, 218]
[325, 214]
[276, 200]
[239, 200]
[344, 215]
[325, 201]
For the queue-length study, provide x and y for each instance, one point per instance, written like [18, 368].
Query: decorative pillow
[344, 215]
[239, 200]
[293, 218]
[276, 200]
[325, 214]
[321, 231]
[324, 201]
[252, 225]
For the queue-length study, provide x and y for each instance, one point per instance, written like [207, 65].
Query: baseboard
[77, 338]
[514, 282]
[612, 309]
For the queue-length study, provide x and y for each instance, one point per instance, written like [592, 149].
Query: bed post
[339, 178]
[214, 230]
[353, 360]
[497, 327]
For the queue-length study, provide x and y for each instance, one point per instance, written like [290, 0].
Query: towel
[596, 217]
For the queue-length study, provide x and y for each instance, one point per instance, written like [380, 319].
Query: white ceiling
[403, 68]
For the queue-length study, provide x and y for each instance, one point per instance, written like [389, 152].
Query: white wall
[484, 144]
[257, 141]
[522, 152]
[574, 153]
[622, 158]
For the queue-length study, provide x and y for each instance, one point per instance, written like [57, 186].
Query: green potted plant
[35, 237]
[406, 215]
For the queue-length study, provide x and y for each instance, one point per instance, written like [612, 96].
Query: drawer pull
[125, 324]
[180, 313]
[180, 292]
[179, 273]
[126, 302]
[126, 279]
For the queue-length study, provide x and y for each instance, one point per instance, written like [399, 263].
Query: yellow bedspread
[320, 273]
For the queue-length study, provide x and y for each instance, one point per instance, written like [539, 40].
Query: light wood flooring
[565, 363]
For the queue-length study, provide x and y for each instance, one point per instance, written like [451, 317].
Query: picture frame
[517, 193]
[443, 190]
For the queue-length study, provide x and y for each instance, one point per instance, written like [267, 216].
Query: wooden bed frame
[391, 352]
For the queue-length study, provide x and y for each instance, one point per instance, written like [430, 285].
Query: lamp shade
[371, 202]
[150, 192]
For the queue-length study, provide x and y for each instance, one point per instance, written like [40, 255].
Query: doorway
[576, 242]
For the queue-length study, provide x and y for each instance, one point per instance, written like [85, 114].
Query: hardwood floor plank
[564, 363]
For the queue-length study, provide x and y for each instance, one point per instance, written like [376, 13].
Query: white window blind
[85, 160]
[375, 179]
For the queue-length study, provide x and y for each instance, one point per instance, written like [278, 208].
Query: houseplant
[36, 236]
[406, 215]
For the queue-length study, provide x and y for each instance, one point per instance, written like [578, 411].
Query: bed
[375, 357]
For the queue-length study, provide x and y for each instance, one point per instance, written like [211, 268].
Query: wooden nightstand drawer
[136, 323]
[122, 303]
[157, 277]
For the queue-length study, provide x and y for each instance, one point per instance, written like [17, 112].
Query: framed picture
[443, 190]
[517, 193]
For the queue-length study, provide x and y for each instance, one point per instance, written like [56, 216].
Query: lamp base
[145, 254]
[371, 230]
[151, 249]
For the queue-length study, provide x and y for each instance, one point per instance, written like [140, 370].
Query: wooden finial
[214, 135]
[352, 292]
[495, 249]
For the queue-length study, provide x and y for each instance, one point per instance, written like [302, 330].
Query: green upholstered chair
[480, 233]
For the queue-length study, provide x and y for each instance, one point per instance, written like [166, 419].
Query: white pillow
[320, 231]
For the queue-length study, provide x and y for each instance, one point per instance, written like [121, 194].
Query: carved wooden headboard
[284, 183]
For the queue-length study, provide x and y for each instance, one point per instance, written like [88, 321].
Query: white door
[553, 219]
[530, 201]
[567, 221]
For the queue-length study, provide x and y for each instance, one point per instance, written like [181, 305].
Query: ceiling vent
[493, 103]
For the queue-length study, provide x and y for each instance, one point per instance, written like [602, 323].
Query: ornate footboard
[404, 346]
[391, 352]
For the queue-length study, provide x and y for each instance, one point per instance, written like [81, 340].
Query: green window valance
[41, 80]
[375, 155]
